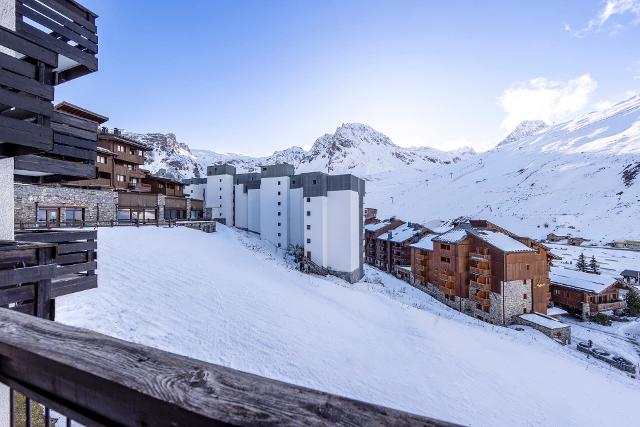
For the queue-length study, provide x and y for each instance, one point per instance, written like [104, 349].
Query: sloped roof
[453, 236]
[630, 273]
[425, 243]
[501, 241]
[400, 234]
[377, 225]
[580, 280]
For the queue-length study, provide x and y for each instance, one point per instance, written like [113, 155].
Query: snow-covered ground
[231, 299]
[611, 261]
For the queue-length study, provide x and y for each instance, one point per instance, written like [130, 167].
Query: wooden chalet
[631, 277]
[421, 259]
[392, 248]
[371, 233]
[585, 293]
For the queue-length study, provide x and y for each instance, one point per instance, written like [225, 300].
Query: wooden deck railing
[98, 380]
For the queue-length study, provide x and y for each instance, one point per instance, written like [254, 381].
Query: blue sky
[256, 76]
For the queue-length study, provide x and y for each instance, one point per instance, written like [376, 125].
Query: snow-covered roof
[630, 273]
[426, 243]
[501, 241]
[400, 234]
[544, 321]
[434, 224]
[104, 150]
[453, 236]
[406, 268]
[556, 311]
[579, 279]
[377, 225]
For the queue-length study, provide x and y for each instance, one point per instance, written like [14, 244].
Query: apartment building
[395, 250]
[475, 267]
[317, 214]
[372, 231]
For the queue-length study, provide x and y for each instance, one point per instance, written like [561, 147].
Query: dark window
[279, 234]
[278, 182]
[527, 266]
[308, 213]
[445, 259]
[308, 199]
[220, 197]
[308, 240]
[278, 213]
[446, 247]
[220, 188]
[308, 226]
[279, 245]
[279, 224]
[314, 182]
[524, 296]
[278, 193]
[279, 203]
[220, 179]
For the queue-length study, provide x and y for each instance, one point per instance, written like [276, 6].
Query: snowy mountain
[578, 178]
[353, 148]
[523, 130]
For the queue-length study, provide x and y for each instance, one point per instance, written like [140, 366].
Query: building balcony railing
[420, 257]
[448, 291]
[480, 271]
[94, 379]
[448, 277]
[480, 256]
[480, 285]
[421, 267]
[614, 305]
[54, 41]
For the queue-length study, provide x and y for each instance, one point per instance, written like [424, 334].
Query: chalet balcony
[448, 277]
[482, 298]
[54, 41]
[448, 291]
[606, 306]
[73, 154]
[480, 256]
[420, 257]
[480, 271]
[43, 265]
[421, 268]
[479, 285]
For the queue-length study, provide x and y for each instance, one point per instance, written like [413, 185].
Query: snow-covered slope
[523, 130]
[578, 177]
[167, 153]
[379, 340]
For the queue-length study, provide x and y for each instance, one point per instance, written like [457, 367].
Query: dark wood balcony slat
[26, 84]
[18, 43]
[72, 15]
[24, 126]
[76, 122]
[67, 248]
[56, 236]
[26, 275]
[28, 309]
[17, 65]
[76, 268]
[22, 293]
[26, 102]
[78, 133]
[38, 36]
[77, 153]
[72, 258]
[65, 287]
[22, 138]
[55, 166]
[115, 382]
[43, 18]
[73, 141]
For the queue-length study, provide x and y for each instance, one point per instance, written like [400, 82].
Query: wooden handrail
[100, 380]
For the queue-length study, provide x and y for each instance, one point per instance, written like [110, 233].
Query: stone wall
[6, 199]
[563, 335]
[100, 205]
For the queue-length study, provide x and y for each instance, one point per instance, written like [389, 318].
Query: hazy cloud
[610, 10]
[545, 99]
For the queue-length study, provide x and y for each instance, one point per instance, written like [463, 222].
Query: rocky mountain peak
[523, 130]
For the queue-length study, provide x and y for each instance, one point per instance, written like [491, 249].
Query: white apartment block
[318, 213]
[195, 188]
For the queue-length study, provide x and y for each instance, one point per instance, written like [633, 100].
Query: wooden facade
[589, 301]
[374, 250]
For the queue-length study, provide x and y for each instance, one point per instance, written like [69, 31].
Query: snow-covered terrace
[588, 282]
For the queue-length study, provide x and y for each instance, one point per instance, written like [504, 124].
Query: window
[308, 213]
[220, 206]
[279, 203]
[220, 197]
[524, 310]
[308, 240]
[527, 266]
[279, 245]
[314, 182]
[308, 226]
[445, 247]
[221, 181]
[278, 182]
[120, 178]
[101, 159]
[278, 213]
[308, 199]
[278, 193]
[140, 153]
[279, 234]
[133, 180]
[120, 148]
[132, 151]
[220, 188]
[445, 259]
[130, 167]
[279, 224]
[524, 296]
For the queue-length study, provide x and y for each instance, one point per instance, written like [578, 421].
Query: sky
[256, 76]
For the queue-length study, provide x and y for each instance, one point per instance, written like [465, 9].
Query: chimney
[105, 129]
[116, 131]
[389, 235]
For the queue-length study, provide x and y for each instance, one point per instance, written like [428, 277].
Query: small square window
[278, 182]
[279, 245]
[308, 213]
[279, 203]
[220, 179]
[314, 182]
[308, 240]
[220, 197]
[308, 199]
[279, 234]
[308, 226]
[279, 224]
[278, 213]
[278, 193]
[524, 296]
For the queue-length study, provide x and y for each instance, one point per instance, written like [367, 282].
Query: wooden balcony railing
[480, 256]
[54, 41]
[480, 285]
[596, 308]
[95, 379]
[73, 155]
[480, 271]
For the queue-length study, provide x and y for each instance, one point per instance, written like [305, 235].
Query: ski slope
[231, 299]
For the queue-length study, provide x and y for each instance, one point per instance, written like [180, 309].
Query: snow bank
[230, 299]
